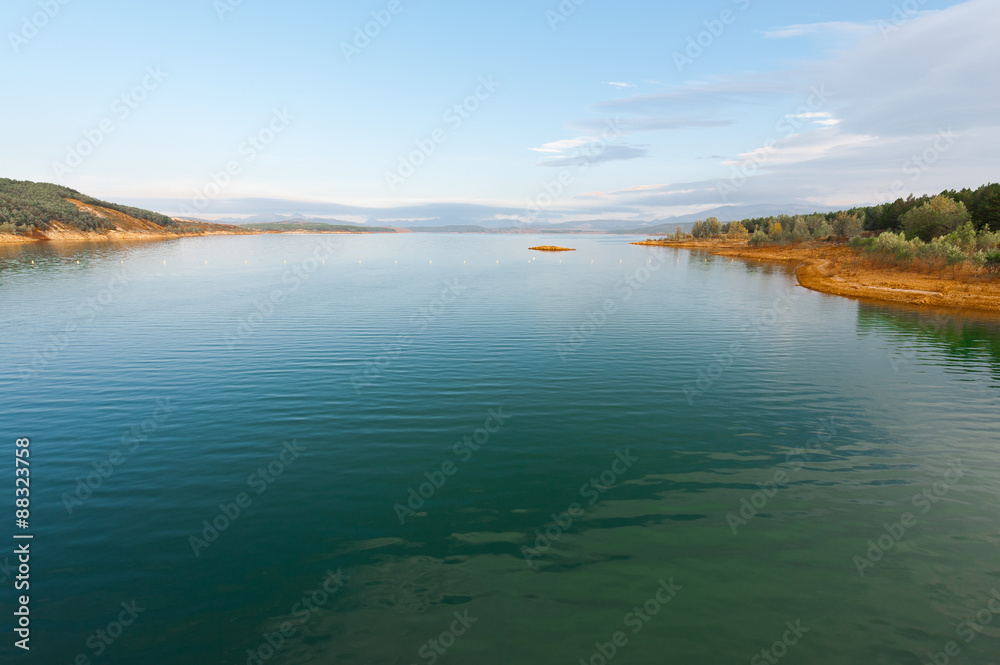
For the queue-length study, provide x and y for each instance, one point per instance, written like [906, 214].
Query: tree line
[956, 226]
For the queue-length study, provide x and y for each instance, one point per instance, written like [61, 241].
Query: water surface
[770, 434]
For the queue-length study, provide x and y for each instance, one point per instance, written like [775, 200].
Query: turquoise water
[621, 454]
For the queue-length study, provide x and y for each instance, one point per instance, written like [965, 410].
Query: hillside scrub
[28, 206]
[975, 249]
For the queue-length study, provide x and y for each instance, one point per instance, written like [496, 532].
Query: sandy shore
[835, 268]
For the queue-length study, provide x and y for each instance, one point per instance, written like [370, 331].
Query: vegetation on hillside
[954, 227]
[28, 206]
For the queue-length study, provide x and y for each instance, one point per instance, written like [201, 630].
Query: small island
[551, 248]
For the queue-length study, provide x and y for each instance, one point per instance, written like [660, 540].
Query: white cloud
[562, 147]
[620, 85]
[801, 148]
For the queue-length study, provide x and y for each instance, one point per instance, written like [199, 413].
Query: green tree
[848, 225]
[736, 231]
[713, 227]
[939, 216]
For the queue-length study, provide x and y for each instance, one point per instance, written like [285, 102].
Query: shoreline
[75, 235]
[836, 269]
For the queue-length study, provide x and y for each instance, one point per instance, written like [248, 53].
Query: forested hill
[27, 206]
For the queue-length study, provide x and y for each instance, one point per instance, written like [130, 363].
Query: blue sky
[583, 111]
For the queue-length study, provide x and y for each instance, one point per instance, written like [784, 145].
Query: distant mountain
[727, 214]
[454, 228]
[320, 227]
[271, 218]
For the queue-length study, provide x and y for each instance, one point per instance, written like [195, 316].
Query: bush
[759, 238]
[895, 245]
[987, 241]
[991, 261]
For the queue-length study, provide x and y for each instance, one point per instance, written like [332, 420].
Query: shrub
[987, 241]
[963, 237]
[895, 245]
[759, 238]
[991, 261]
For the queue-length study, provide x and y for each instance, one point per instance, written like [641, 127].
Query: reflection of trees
[17, 257]
[962, 336]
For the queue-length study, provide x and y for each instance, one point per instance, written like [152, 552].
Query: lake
[450, 449]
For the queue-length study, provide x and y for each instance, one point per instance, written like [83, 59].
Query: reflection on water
[969, 337]
[801, 455]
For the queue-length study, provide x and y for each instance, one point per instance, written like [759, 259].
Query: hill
[45, 211]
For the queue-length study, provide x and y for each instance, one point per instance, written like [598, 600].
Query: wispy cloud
[803, 148]
[601, 155]
[560, 147]
[617, 84]
[826, 28]
[651, 124]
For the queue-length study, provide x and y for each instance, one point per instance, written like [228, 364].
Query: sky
[523, 111]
